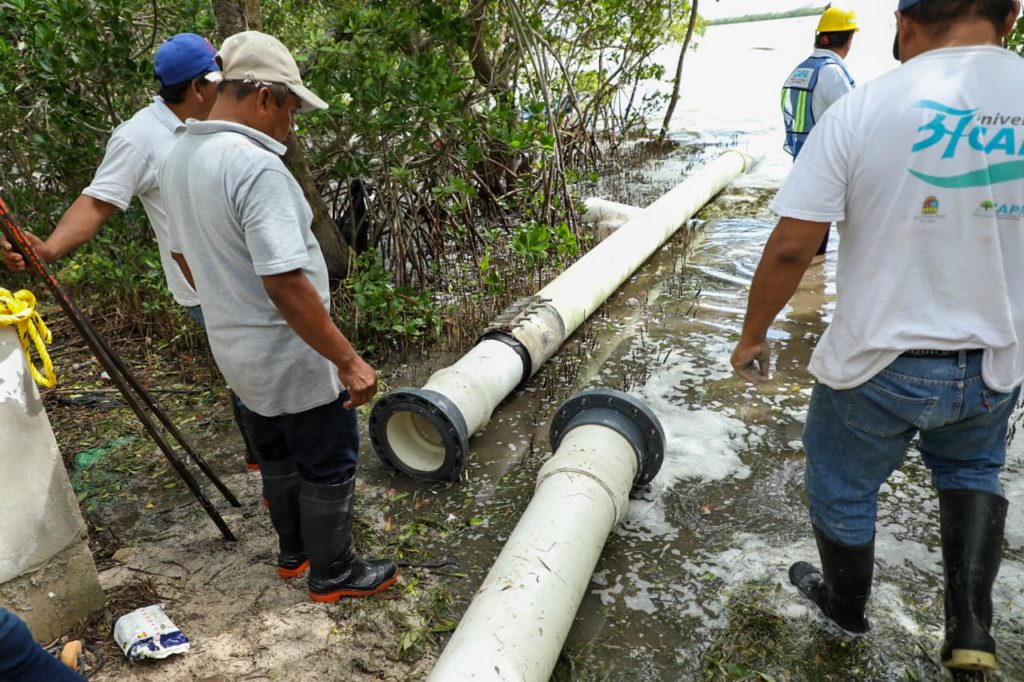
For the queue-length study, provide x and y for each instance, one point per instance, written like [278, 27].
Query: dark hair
[940, 15]
[242, 89]
[835, 39]
[175, 94]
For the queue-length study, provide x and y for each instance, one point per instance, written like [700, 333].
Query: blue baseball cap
[182, 57]
[906, 4]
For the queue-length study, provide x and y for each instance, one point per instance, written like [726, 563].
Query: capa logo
[1010, 212]
[956, 130]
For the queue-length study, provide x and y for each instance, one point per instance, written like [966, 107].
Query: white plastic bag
[149, 633]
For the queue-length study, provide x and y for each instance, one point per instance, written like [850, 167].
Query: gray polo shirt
[237, 214]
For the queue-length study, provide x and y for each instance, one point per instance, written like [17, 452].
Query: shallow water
[693, 584]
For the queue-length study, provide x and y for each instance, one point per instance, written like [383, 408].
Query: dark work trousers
[22, 660]
[323, 441]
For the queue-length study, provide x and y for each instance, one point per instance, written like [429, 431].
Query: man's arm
[80, 223]
[297, 300]
[786, 256]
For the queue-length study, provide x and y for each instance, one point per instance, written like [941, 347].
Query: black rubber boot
[842, 587]
[252, 463]
[281, 493]
[334, 570]
[972, 524]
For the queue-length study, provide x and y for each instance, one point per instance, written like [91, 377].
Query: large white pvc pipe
[578, 291]
[484, 375]
[517, 623]
[430, 437]
[610, 215]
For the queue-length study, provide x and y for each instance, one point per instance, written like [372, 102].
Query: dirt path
[153, 543]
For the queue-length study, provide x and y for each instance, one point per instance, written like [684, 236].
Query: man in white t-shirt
[923, 171]
[188, 74]
[818, 82]
[241, 228]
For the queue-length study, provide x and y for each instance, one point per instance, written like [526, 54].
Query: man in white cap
[923, 172]
[242, 228]
[186, 69]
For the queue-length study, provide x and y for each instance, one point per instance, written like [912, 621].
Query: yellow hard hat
[835, 19]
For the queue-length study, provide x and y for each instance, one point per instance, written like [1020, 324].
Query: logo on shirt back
[929, 214]
[990, 209]
[961, 129]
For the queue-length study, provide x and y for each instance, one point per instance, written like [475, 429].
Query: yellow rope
[19, 310]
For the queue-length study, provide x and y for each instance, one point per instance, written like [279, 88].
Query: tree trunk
[679, 72]
[335, 249]
[230, 17]
[252, 15]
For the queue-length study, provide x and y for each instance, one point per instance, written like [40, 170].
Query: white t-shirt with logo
[136, 150]
[923, 170]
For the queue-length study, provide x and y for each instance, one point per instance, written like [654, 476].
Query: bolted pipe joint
[629, 417]
[420, 433]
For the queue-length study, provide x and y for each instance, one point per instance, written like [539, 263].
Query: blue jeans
[22, 660]
[854, 439]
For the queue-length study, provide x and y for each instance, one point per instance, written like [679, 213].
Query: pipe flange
[626, 415]
[441, 452]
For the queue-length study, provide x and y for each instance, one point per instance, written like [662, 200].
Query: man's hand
[361, 381]
[751, 361]
[14, 260]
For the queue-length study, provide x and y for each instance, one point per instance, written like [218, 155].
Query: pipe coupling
[630, 417]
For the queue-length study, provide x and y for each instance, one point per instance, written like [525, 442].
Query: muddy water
[711, 539]
[693, 584]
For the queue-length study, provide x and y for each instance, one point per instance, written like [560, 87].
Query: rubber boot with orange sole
[335, 572]
[281, 493]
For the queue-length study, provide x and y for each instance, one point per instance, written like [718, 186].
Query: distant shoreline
[768, 16]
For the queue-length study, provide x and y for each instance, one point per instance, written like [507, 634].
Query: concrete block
[43, 549]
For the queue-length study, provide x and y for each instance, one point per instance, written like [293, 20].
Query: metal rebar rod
[119, 374]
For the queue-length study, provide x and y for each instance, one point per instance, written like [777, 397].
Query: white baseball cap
[257, 57]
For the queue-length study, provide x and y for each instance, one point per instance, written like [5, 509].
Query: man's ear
[263, 96]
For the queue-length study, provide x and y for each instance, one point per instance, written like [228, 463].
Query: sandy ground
[245, 623]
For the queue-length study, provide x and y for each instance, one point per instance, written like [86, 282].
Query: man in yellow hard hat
[818, 82]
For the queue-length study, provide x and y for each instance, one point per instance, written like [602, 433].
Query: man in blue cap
[923, 171]
[188, 75]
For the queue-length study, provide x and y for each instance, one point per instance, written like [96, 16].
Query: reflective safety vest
[797, 93]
